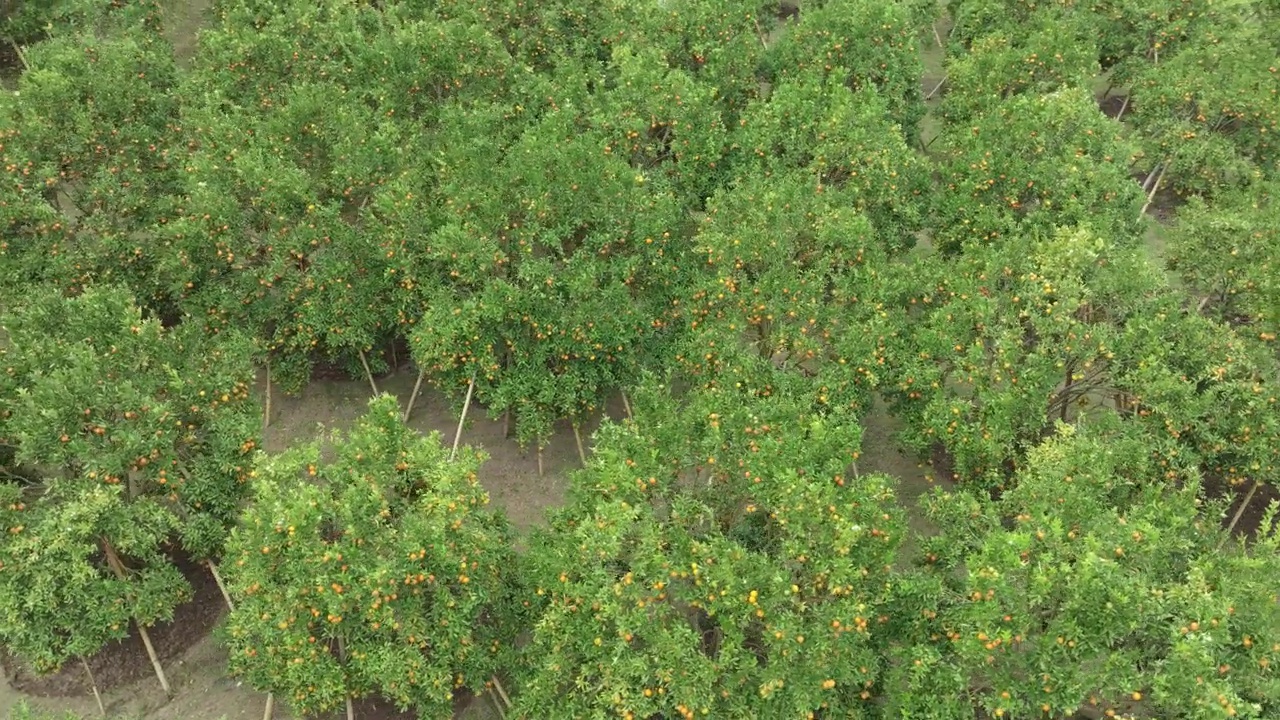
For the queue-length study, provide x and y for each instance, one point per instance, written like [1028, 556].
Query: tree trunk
[539, 458]
[466, 405]
[626, 405]
[93, 684]
[413, 396]
[266, 711]
[506, 424]
[131, 484]
[118, 567]
[577, 437]
[368, 373]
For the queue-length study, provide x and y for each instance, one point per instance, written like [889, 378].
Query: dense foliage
[380, 572]
[1061, 277]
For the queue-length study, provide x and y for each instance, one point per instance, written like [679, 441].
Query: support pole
[266, 412]
[1239, 512]
[93, 684]
[937, 87]
[342, 655]
[118, 567]
[457, 436]
[577, 437]
[367, 372]
[1154, 189]
[1123, 106]
[155, 659]
[217, 578]
[414, 395]
[21, 55]
[497, 685]
[626, 405]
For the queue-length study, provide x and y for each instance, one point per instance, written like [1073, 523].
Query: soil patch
[126, 661]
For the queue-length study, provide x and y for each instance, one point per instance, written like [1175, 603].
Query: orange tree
[1093, 584]
[124, 437]
[1206, 96]
[715, 559]
[862, 45]
[986, 349]
[554, 288]
[87, 135]
[1032, 163]
[813, 125]
[379, 572]
[1227, 252]
[1045, 53]
[1209, 397]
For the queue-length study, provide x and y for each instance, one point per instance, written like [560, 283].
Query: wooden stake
[1146, 183]
[936, 36]
[1154, 189]
[368, 373]
[539, 459]
[466, 405]
[760, 33]
[414, 395]
[266, 712]
[1239, 512]
[503, 693]
[155, 659]
[577, 437]
[118, 567]
[626, 405]
[1123, 106]
[93, 684]
[497, 705]
[935, 89]
[266, 412]
[217, 578]
[21, 55]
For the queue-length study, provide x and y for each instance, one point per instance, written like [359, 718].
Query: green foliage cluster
[729, 218]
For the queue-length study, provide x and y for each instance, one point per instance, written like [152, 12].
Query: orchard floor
[196, 664]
